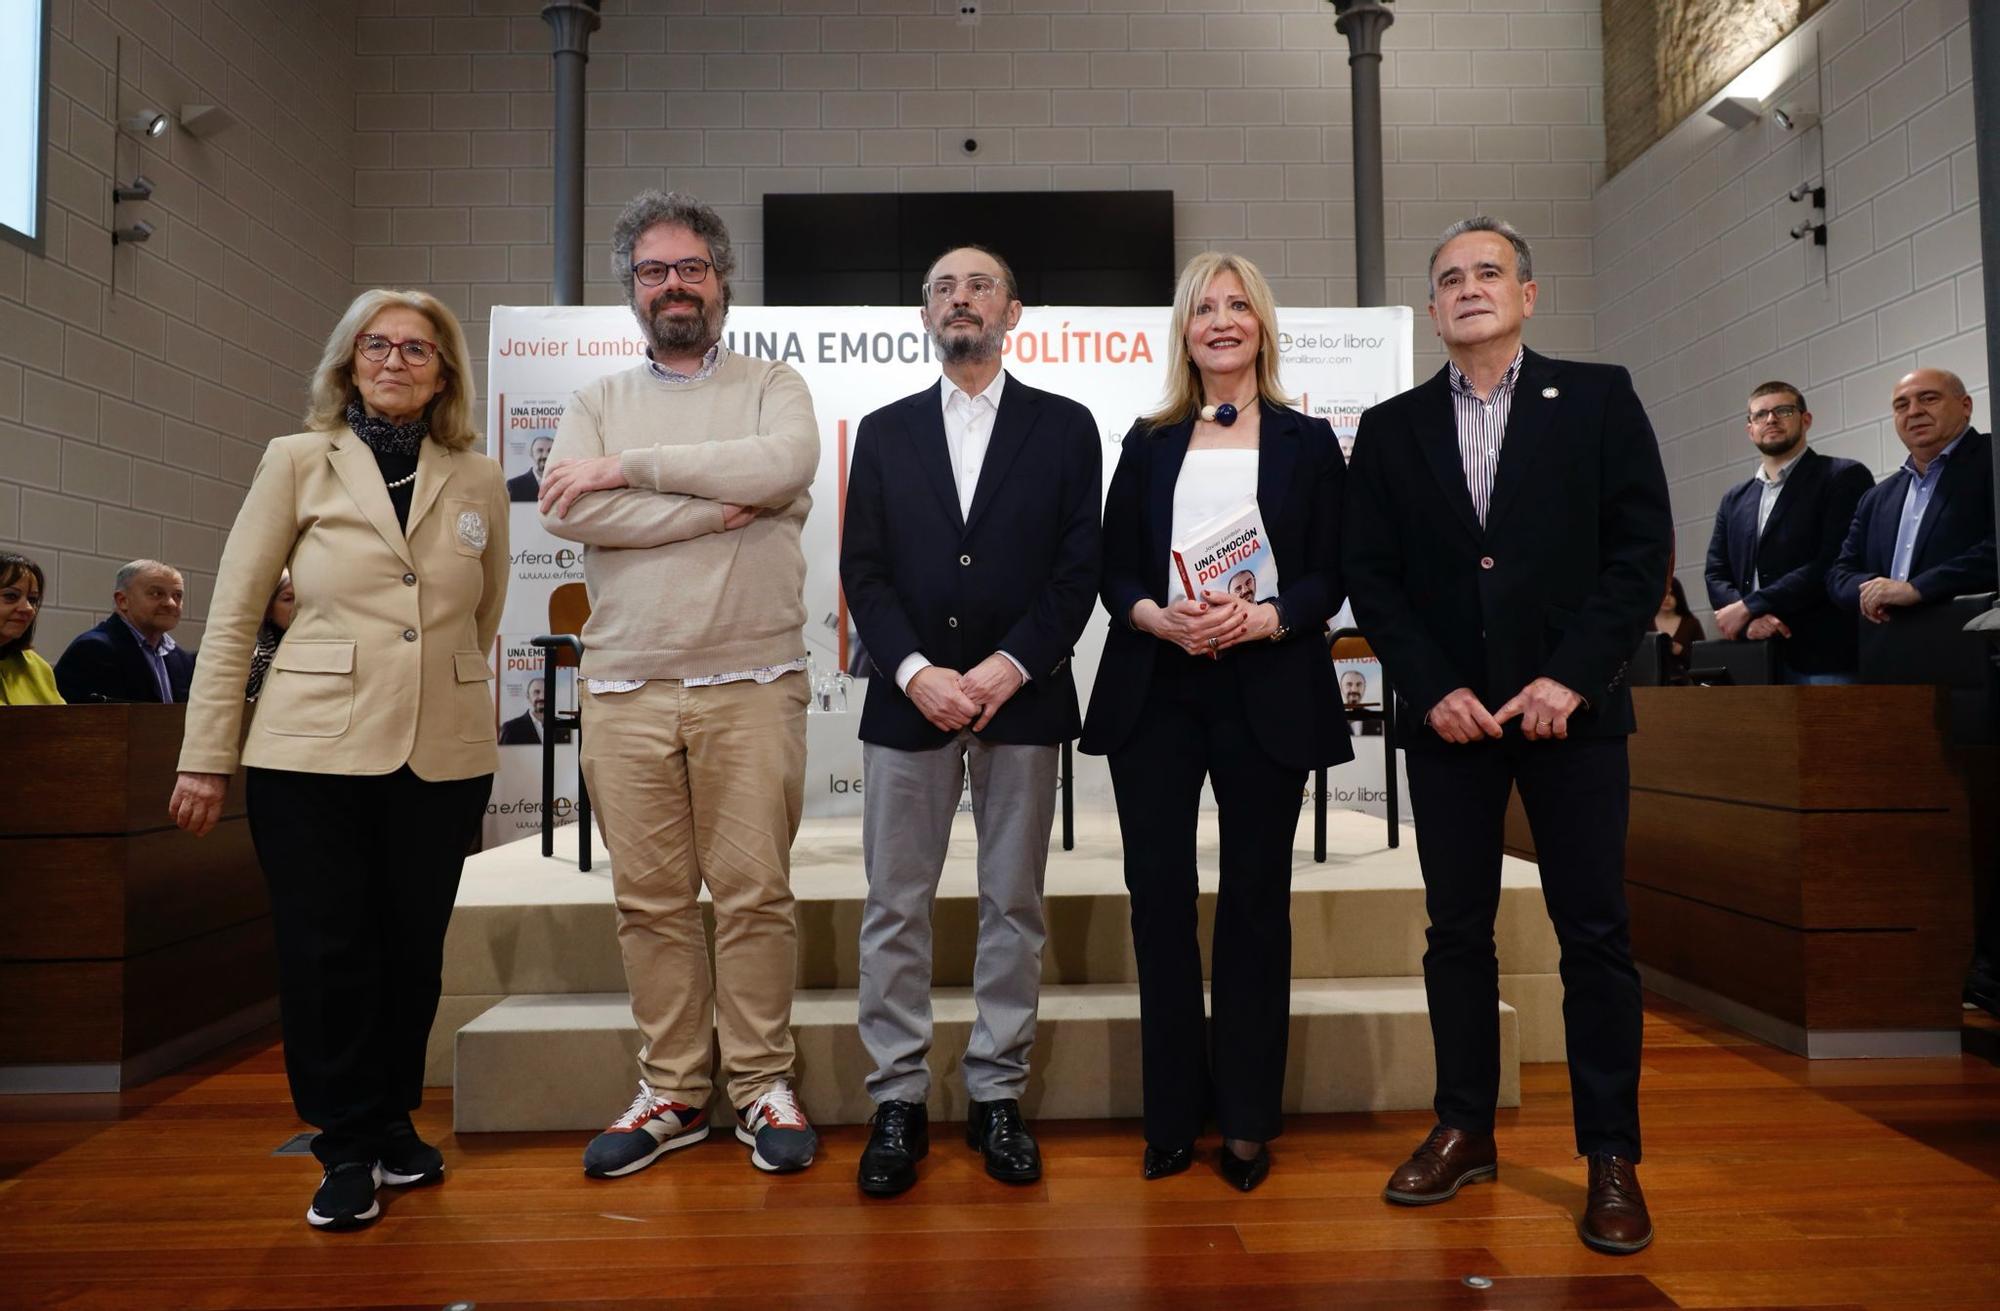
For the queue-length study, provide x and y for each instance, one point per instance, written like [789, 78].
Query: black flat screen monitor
[1065, 247]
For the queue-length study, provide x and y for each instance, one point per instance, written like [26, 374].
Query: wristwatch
[1284, 628]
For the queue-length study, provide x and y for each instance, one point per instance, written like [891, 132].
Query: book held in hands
[1229, 553]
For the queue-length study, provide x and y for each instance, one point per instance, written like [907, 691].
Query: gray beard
[965, 350]
[674, 335]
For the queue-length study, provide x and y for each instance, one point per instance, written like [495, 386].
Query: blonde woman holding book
[1219, 688]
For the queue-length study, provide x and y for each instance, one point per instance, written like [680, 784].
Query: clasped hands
[1209, 626]
[1879, 594]
[951, 700]
[1735, 621]
[1543, 707]
[565, 480]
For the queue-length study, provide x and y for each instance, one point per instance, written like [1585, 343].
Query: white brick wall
[1240, 107]
[130, 422]
[1703, 294]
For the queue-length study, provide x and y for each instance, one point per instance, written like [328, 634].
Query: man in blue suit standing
[1926, 532]
[968, 595]
[132, 655]
[1777, 534]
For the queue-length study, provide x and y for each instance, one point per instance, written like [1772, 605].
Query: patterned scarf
[268, 637]
[385, 436]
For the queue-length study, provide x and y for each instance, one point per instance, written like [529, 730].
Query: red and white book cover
[1229, 553]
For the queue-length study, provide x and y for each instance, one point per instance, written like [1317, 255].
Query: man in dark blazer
[526, 485]
[1507, 542]
[526, 728]
[1775, 537]
[969, 556]
[1926, 532]
[132, 655]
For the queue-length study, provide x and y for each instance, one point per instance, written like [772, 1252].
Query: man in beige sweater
[686, 480]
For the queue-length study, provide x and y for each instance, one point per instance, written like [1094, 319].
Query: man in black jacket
[1507, 541]
[968, 596]
[1926, 532]
[132, 655]
[1775, 537]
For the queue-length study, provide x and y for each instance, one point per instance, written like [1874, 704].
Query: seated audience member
[526, 728]
[1777, 534]
[277, 618]
[132, 655]
[25, 678]
[1925, 533]
[1683, 630]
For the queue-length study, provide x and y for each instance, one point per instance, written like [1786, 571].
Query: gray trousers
[909, 800]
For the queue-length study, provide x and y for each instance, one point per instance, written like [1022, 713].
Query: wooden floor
[1773, 1182]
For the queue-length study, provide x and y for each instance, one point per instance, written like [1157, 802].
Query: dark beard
[1766, 449]
[963, 350]
[675, 334]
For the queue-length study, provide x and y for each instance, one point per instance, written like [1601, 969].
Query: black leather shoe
[898, 1137]
[997, 1131]
[1161, 1163]
[1244, 1175]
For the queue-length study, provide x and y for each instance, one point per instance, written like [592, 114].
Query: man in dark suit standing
[1926, 532]
[968, 597]
[526, 485]
[1507, 542]
[1776, 536]
[132, 655]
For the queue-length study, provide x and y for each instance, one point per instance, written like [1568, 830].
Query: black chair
[562, 648]
[1929, 644]
[1737, 664]
[1349, 644]
[1649, 662]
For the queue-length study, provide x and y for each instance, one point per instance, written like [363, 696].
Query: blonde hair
[1183, 399]
[450, 411]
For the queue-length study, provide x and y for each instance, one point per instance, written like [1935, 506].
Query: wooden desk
[126, 946]
[1799, 863]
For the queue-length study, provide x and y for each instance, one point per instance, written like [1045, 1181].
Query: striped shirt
[1482, 427]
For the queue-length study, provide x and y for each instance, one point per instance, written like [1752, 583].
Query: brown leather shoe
[1448, 1160]
[1615, 1220]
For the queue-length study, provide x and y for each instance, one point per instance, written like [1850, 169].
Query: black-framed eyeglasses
[375, 348]
[653, 272]
[1775, 413]
[939, 291]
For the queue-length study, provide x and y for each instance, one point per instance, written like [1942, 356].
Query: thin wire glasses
[653, 272]
[375, 348]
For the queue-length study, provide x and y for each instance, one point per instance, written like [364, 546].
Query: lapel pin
[1550, 393]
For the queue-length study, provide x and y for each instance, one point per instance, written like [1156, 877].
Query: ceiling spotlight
[205, 120]
[145, 123]
[1793, 119]
[138, 232]
[1735, 112]
[139, 188]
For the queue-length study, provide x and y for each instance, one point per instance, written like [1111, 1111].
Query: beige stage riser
[565, 1062]
[1535, 998]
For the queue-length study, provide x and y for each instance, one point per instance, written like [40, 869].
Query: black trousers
[1577, 796]
[1195, 727]
[363, 872]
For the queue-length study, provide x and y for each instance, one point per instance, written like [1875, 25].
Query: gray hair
[133, 568]
[1524, 259]
[648, 210]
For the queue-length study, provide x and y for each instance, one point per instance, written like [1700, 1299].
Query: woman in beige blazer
[370, 750]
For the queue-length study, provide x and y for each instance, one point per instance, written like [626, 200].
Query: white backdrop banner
[1337, 362]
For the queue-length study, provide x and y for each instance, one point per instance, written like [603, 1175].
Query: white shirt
[968, 431]
[1211, 483]
[1767, 500]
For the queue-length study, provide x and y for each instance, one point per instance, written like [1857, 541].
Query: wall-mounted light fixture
[132, 236]
[1792, 118]
[139, 188]
[1735, 112]
[145, 123]
[205, 120]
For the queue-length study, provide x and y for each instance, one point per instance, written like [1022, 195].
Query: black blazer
[520, 731]
[523, 487]
[1954, 555]
[1293, 703]
[1790, 561]
[105, 663]
[1014, 575]
[1560, 582]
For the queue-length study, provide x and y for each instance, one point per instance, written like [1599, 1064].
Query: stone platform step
[565, 1061]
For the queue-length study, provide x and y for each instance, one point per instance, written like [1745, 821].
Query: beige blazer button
[409, 580]
[409, 634]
